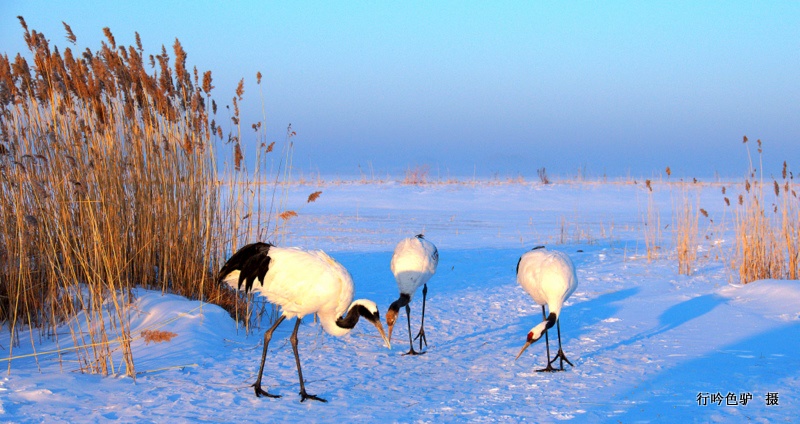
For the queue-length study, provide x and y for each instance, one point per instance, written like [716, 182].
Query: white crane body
[301, 283]
[549, 277]
[413, 264]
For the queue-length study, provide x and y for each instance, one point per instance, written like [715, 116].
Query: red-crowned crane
[549, 277]
[413, 263]
[301, 283]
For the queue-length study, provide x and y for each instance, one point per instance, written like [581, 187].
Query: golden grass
[652, 226]
[108, 182]
[767, 234]
[417, 175]
[686, 218]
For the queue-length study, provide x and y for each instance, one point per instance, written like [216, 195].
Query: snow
[645, 341]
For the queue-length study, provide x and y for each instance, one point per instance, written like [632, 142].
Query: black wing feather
[252, 261]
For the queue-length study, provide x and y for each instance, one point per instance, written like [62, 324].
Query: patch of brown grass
[417, 175]
[157, 336]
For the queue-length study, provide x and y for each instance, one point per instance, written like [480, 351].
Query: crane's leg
[410, 341]
[303, 394]
[549, 367]
[267, 338]
[421, 334]
[560, 355]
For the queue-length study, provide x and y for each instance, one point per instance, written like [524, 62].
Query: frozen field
[647, 344]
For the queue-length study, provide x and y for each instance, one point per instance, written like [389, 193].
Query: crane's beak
[387, 340]
[528, 343]
[391, 329]
[391, 318]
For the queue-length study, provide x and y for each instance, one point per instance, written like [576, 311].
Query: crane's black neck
[351, 319]
[551, 321]
[399, 303]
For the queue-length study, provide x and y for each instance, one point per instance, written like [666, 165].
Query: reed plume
[108, 182]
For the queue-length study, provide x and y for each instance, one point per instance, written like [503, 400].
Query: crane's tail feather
[248, 264]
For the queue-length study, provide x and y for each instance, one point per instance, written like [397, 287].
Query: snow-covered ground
[647, 344]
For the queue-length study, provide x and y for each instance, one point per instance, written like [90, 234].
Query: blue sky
[491, 88]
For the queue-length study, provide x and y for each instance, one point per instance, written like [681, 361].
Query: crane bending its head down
[301, 283]
[549, 278]
[413, 264]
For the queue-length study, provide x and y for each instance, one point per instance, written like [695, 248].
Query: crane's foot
[422, 339]
[261, 392]
[549, 368]
[562, 358]
[413, 352]
[304, 396]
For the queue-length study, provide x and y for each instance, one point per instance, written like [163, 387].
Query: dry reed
[767, 235]
[542, 172]
[652, 226]
[685, 226]
[108, 181]
[417, 175]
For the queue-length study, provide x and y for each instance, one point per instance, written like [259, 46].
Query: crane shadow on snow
[686, 311]
[580, 318]
[672, 318]
[595, 310]
[577, 320]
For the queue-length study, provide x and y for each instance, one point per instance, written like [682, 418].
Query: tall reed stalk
[767, 233]
[686, 223]
[652, 226]
[108, 182]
